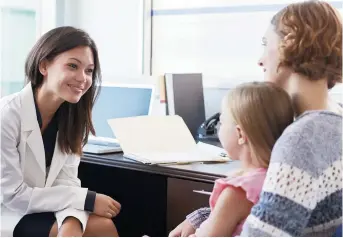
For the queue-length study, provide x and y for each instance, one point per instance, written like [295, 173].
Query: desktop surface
[204, 172]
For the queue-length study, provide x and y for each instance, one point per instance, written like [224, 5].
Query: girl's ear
[242, 139]
[43, 67]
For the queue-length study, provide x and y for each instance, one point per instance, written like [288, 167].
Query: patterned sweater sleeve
[198, 216]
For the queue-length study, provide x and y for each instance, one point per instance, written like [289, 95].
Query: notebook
[185, 91]
[162, 140]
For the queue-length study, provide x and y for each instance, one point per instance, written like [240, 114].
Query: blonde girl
[253, 117]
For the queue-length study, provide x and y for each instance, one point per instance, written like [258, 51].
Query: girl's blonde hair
[263, 111]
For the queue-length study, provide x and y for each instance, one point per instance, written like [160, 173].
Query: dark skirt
[35, 225]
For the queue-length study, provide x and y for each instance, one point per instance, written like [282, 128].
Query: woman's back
[305, 178]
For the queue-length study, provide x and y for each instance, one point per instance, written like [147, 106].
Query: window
[21, 23]
[117, 28]
[219, 38]
[15, 45]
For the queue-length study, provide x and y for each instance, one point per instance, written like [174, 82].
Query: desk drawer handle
[202, 192]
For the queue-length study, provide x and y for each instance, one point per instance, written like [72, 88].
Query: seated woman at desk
[251, 122]
[302, 193]
[42, 130]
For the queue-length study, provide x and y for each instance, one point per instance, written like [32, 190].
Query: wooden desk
[154, 198]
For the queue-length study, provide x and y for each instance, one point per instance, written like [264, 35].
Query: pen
[202, 192]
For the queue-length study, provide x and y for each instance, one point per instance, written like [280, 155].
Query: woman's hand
[71, 227]
[105, 206]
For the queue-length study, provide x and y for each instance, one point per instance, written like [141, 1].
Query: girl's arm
[231, 208]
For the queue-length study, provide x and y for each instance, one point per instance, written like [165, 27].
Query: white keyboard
[102, 148]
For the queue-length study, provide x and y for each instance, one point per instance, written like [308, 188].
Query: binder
[162, 140]
[184, 96]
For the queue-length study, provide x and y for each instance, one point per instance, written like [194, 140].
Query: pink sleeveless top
[251, 183]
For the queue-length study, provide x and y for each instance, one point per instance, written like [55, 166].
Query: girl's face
[69, 75]
[229, 132]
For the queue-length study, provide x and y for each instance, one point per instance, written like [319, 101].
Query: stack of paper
[161, 139]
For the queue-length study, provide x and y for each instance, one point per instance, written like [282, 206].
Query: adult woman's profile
[302, 193]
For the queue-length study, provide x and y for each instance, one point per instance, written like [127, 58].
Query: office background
[140, 40]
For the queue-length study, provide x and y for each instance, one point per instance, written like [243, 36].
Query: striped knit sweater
[302, 193]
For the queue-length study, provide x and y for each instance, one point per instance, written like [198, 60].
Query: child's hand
[184, 229]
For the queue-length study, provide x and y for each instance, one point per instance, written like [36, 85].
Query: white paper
[152, 133]
[161, 139]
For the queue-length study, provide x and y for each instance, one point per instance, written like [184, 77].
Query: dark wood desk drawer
[182, 200]
[142, 196]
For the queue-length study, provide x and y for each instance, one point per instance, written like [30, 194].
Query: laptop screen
[117, 102]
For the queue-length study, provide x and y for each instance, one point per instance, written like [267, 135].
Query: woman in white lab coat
[43, 128]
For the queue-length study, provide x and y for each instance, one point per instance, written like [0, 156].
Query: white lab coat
[25, 185]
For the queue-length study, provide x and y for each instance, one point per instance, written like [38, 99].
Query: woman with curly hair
[302, 192]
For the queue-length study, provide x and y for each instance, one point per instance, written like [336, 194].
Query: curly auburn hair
[311, 35]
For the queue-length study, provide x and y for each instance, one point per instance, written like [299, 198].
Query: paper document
[197, 154]
[161, 139]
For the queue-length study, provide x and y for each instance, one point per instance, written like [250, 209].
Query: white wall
[177, 4]
[219, 38]
[212, 44]
[212, 37]
[117, 28]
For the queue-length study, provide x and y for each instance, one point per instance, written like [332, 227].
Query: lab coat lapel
[30, 126]
[58, 160]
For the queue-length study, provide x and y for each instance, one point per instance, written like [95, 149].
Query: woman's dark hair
[313, 46]
[75, 120]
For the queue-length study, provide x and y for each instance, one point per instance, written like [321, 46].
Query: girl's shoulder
[250, 182]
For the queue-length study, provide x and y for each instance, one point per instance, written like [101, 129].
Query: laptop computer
[116, 101]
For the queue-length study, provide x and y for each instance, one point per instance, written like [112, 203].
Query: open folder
[161, 140]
